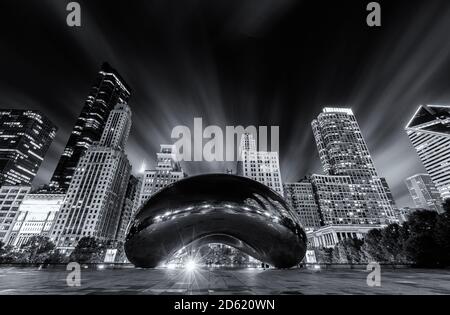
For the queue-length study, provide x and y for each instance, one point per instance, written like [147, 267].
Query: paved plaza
[21, 280]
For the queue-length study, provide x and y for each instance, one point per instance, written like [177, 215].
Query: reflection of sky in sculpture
[216, 208]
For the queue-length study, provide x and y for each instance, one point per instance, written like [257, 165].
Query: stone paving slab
[27, 280]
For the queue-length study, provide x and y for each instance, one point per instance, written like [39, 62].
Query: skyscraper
[261, 166]
[168, 170]
[25, 136]
[342, 201]
[127, 208]
[108, 90]
[342, 149]
[424, 192]
[350, 192]
[429, 132]
[301, 197]
[10, 199]
[96, 193]
[390, 198]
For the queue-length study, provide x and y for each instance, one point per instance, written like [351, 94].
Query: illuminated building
[96, 193]
[262, 166]
[328, 236]
[301, 198]
[128, 207]
[108, 90]
[424, 193]
[350, 192]
[167, 171]
[35, 217]
[429, 132]
[10, 199]
[25, 136]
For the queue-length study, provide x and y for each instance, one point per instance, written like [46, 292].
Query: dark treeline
[423, 240]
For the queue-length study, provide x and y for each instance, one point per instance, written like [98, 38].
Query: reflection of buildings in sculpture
[36, 216]
[328, 236]
[216, 208]
[97, 190]
[10, 199]
[261, 166]
[301, 197]
[216, 254]
[167, 171]
[424, 192]
[25, 136]
[108, 90]
[351, 191]
[429, 132]
[127, 208]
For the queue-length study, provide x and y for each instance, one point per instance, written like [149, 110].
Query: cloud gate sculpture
[216, 208]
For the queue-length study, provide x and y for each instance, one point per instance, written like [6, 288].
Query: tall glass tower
[108, 90]
[350, 192]
[25, 136]
[341, 146]
[429, 132]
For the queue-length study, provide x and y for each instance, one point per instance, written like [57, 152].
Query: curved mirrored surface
[216, 208]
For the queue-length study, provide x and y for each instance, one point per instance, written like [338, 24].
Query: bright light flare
[190, 265]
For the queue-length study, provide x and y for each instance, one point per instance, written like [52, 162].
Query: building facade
[96, 193]
[429, 133]
[108, 90]
[341, 146]
[128, 208]
[10, 199]
[389, 194]
[350, 192]
[262, 166]
[25, 136]
[328, 236]
[424, 193]
[35, 217]
[168, 170]
[302, 199]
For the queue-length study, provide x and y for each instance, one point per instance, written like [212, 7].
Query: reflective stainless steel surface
[216, 208]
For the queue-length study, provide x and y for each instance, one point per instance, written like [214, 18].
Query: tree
[348, 251]
[8, 255]
[37, 249]
[353, 247]
[3, 252]
[372, 246]
[442, 237]
[421, 246]
[392, 243]
[88, 250]
[446, 205]
[324, 255]
[339, 255]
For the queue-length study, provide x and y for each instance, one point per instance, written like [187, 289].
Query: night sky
[234, 62]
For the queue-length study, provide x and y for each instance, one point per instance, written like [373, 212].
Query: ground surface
[15, 280]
